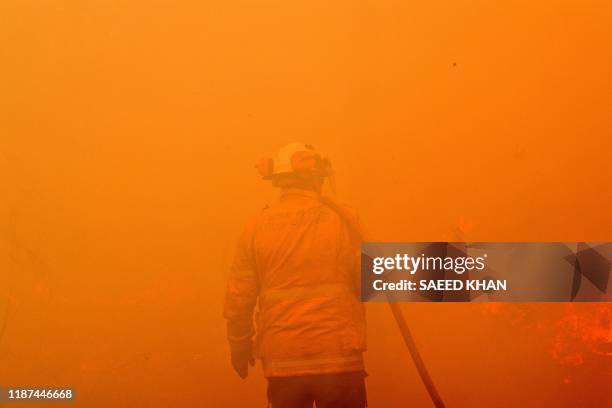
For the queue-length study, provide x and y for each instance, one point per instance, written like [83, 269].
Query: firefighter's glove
[242, 356]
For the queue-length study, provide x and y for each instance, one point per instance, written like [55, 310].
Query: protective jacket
[297, 263]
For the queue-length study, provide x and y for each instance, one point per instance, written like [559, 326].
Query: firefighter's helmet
[294, 158]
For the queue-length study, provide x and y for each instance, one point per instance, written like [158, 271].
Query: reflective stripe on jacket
[300, 263]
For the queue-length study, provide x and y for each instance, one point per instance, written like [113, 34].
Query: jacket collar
[292, 192]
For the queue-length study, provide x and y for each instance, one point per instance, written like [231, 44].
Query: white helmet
[294, 157]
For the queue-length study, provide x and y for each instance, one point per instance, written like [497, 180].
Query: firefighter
[292, 297]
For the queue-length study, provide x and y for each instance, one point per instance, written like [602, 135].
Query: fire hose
[398, 315]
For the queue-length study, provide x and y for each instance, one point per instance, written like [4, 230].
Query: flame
[582, 331]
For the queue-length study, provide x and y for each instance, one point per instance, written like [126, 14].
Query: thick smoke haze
[128, 135]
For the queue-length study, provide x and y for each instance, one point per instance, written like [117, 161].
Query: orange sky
[128, 134]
